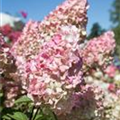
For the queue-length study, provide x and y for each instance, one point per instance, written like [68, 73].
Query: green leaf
[23, 99]
[1, 108]
[1, 94]
[6, 117]
[39, 117]
[19, 116]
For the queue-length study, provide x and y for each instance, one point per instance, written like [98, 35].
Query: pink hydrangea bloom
[86, 104]
[6, 59]
[6, 29]
[11, 89]
[98, 50]
[55, 73]
[47, 54]
[13, 36]
[111, 70]
[2, 43]
[71, 12]
[111, 87]
[28, 43]
[48, 60]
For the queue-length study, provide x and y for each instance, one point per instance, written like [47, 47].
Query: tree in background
[115, 12]
[96, 30]
[115, 19]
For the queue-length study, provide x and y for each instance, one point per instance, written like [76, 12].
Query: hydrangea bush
[50, 72]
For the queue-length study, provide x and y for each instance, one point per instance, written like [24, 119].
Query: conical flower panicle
[71, 12]
[98, 50]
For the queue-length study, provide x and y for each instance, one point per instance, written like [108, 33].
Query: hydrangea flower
[10, 87]
[71, 12]
[87, 105]
[98, 50]
[47, 54]
[6, 59]
[9, 33]
[111, 70]
[51, 64]
[55, 73]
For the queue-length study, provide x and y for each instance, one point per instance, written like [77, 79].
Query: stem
[55, 116]
[35, 114]
[31, 115]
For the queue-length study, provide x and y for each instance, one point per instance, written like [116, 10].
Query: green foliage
[115, 12]
[115, 18]
[96, 30]
[117, 34]
[24, 109]
[18, 26]
[117, 38]
[16, 116]
[23, 99]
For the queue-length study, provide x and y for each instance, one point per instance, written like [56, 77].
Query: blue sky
[37, 9]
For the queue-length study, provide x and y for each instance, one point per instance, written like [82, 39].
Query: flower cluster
[111, 70]
[87, 105]
[48, 57]
[55, 73]
[6, 59]
[11, 88]
[98, 50]
[9, 33]
[52, 63]
[109, 81]
[71, 12]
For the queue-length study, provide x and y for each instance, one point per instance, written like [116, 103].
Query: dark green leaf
[39, 117]
[7, 117]
[23, 99]
[19, 116]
